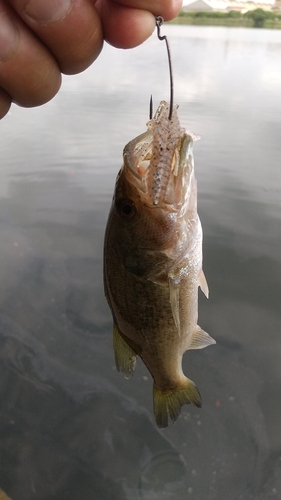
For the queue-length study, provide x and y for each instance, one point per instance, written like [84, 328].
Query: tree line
[258, 16]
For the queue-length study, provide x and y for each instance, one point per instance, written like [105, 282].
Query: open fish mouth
[160, 161]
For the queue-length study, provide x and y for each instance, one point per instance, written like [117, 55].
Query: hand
[40, 39]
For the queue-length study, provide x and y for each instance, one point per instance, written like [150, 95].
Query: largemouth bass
[153, 262]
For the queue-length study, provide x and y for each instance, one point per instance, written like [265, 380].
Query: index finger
[168, 9]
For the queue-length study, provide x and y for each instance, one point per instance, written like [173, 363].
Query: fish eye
[126, 208]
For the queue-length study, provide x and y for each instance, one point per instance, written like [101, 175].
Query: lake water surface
[70, 426]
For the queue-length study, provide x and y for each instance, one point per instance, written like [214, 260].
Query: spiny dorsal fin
[200, 339]
[125, 356]
[203, 284]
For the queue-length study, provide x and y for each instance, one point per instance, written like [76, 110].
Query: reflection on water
[71, 427]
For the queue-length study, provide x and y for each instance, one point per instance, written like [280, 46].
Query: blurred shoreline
[257, 18]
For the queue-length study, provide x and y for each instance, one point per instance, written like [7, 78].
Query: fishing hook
[150, 108]
[159, 21]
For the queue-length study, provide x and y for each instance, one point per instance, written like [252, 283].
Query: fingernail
[8, 36]
[47, 11]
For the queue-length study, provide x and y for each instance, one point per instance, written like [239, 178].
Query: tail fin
[168, 402]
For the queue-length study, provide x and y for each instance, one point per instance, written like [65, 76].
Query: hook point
[150, 108]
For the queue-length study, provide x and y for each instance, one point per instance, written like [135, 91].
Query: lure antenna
[159, 21]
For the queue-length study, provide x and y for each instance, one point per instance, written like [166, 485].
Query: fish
[153, 261]
[3, 495]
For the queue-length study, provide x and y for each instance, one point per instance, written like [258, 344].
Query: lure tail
[168, 402]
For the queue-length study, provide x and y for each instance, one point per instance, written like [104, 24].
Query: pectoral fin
[203, 284]
[200, 339]
[174, 287]
[125, 356]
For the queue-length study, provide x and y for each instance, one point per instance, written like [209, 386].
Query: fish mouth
[159, 162]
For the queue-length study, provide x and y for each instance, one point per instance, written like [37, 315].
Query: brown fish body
[153, 262]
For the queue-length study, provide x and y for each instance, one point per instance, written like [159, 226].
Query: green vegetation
[257, 18]
[260, 17]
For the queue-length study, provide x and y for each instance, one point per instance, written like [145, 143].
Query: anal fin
[125, 356]
[200, 339]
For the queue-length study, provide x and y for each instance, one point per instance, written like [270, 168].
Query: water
[71, 427]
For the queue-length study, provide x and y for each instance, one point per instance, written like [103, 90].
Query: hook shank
[159, 21]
